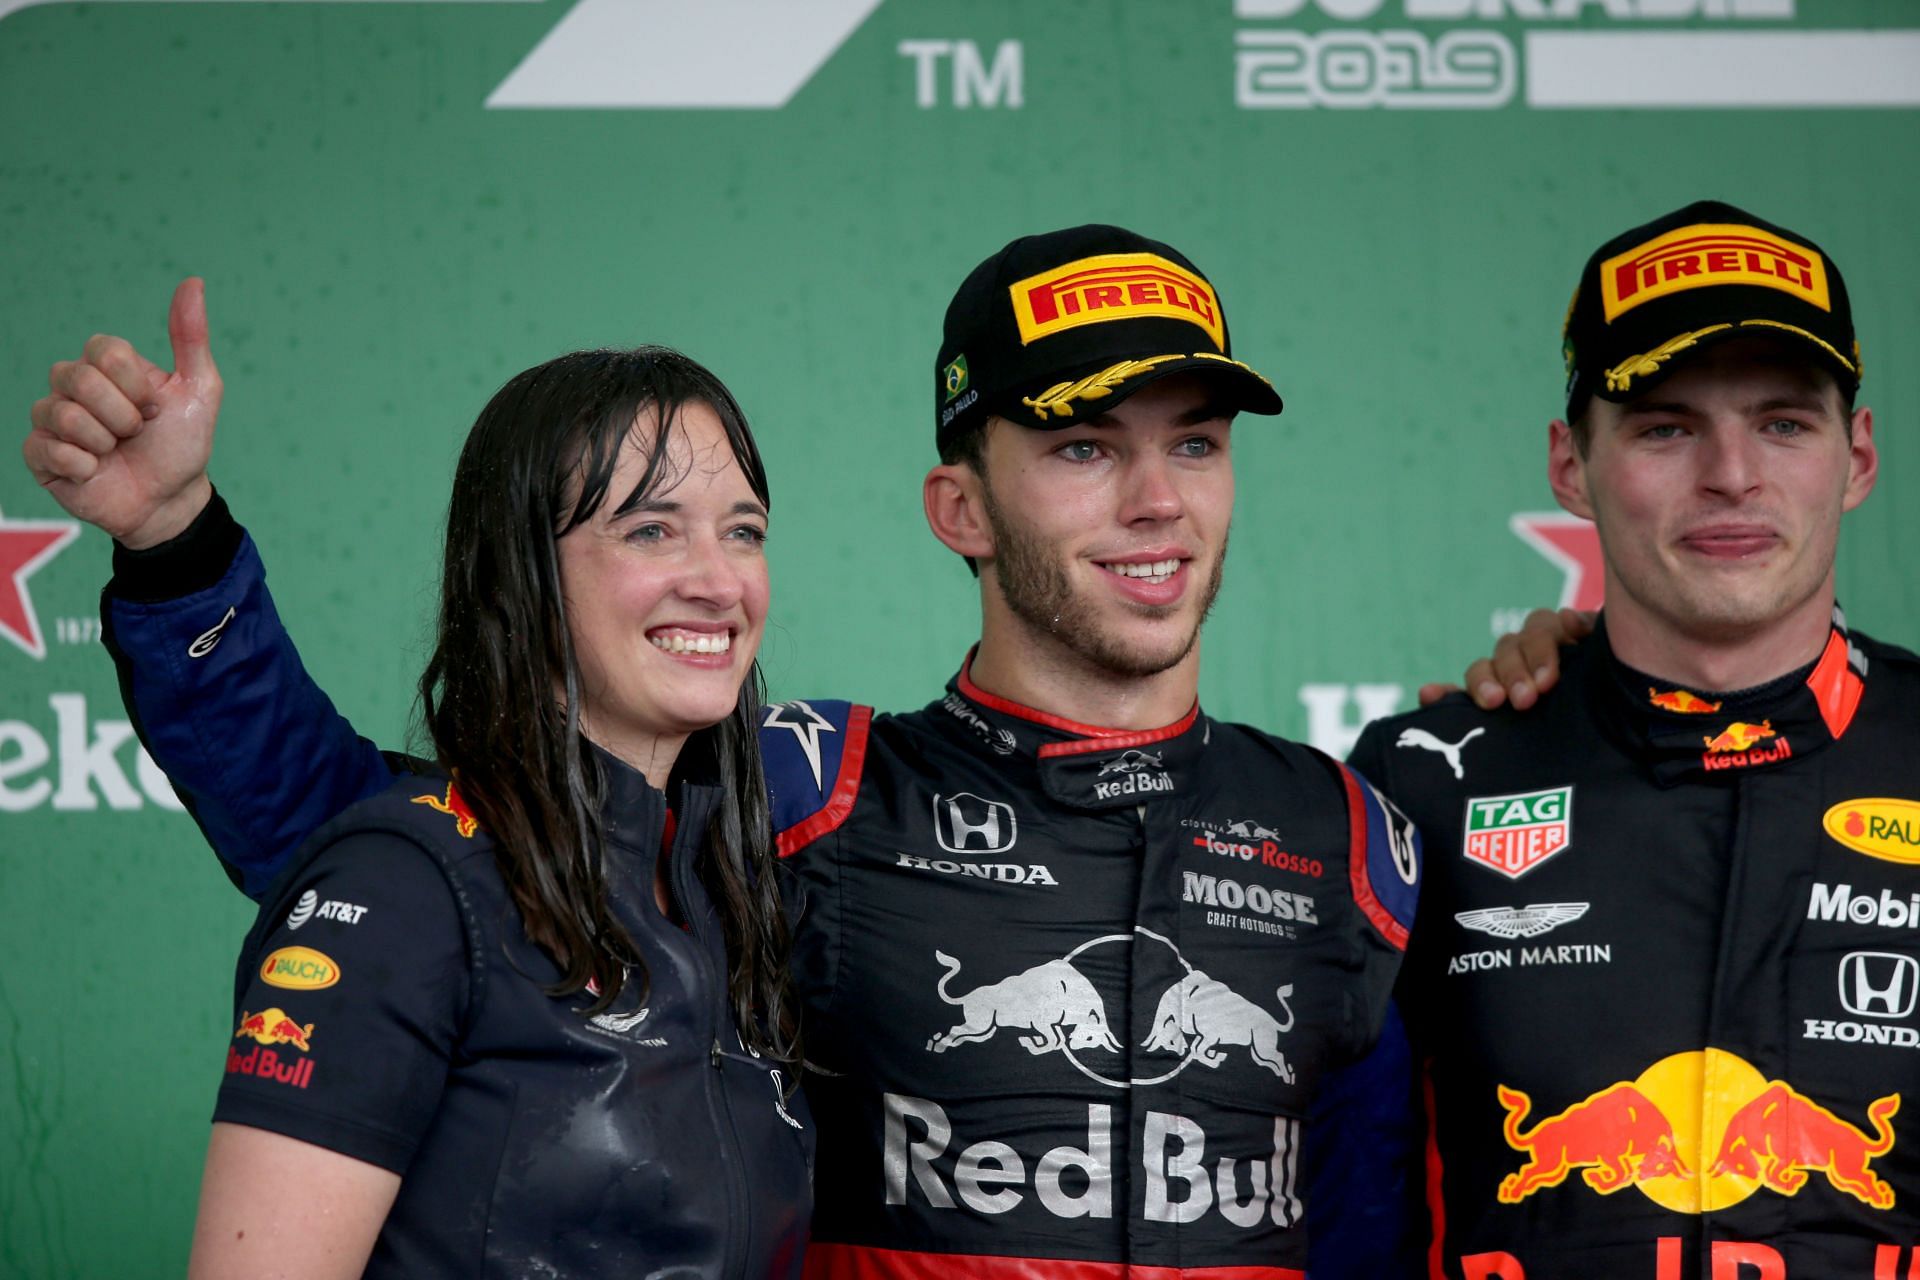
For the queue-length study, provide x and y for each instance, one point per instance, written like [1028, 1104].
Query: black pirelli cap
[1058, 328]
[1699, 276]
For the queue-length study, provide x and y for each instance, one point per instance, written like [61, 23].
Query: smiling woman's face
[665, 602]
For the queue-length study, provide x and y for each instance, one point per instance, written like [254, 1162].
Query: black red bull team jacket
[1071, 991]
[1666, 977]
[389, 1006]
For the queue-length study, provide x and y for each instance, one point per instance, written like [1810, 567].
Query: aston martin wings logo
[1522, 922]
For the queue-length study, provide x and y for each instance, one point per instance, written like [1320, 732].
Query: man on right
[1663, 984]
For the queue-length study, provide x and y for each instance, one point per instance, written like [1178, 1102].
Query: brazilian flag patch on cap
[954, 376]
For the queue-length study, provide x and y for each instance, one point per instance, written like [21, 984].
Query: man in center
[1077, 955]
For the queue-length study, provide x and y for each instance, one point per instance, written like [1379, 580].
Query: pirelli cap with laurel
[1699, 276]
[1058, 328]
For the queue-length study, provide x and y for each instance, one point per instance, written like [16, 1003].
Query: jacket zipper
[737, 1241]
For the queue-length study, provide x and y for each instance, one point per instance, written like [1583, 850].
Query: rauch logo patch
[299, 969]
[1879, 827]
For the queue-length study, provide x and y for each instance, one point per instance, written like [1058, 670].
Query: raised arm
[212, 682]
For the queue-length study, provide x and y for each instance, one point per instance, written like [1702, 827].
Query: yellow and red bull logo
[1697, 1132]
[1880, 827]
[1615, 1138]
[1738, 736]
[455, 807]
[1711, 254]
[300, 969]
[1114, 286]
[1736, 746]
[1682, 701]
[272, 1027]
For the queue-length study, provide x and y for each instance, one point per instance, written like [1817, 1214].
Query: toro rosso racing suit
[1664, 982]
[1071, 990]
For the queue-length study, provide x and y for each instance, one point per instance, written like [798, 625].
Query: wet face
[665, 603]
[1109, 537]
[1718, 493]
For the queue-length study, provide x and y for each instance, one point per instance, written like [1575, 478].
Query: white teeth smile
[694, 644]
[1157, 571]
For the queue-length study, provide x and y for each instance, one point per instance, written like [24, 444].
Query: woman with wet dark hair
[527, 1012]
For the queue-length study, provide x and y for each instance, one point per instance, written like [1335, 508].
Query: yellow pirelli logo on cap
[1113, 286]
[1711, 253]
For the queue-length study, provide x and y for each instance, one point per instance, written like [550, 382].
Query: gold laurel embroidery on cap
[1058, 398]
[1822, 343]
[1238, 364]
[1621, 376]
[1566, 331]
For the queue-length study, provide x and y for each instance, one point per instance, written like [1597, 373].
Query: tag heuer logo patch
[1514, 834]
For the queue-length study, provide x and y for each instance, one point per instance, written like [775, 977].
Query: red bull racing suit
[1664, 979]
[1070, 991]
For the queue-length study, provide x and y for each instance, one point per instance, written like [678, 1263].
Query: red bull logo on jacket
[455, 807]
[1738, 736]
[272, 1027]
[1734, 747]
[1663, 1134]
[1682, 701]
[1197, 1015]
[1615, 1138]
[1183, 1180]
[1052, 1007]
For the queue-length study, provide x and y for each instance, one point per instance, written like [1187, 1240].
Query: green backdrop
[397, 205]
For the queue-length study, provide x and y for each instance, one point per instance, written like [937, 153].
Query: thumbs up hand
[123, 444]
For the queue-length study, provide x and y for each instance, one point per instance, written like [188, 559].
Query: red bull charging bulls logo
[1661, 1134]
[455, 807]
[1682, 701]
[271, 1027]
[1737, 746]
[1052, 1007]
